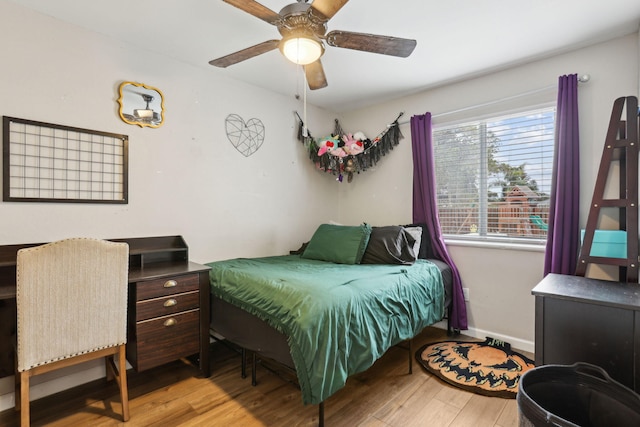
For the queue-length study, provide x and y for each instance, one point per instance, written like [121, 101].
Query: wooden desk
[589, 320]
[168, 307]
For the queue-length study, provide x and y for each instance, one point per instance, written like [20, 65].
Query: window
[493, 176]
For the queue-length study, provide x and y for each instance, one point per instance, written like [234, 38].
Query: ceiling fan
[303, 27]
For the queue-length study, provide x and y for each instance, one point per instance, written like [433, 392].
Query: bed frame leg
[411, 356]
[450, 330]
[321, 414]
[243, 365]
[254, 381]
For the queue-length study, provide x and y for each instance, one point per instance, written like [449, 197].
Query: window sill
[515, 246]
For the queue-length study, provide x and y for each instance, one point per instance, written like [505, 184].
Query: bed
[331, 309]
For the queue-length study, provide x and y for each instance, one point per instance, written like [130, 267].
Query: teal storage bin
[608, 243]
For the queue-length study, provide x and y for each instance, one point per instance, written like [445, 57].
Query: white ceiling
[456, 39]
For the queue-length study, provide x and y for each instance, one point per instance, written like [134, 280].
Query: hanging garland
[345, 153]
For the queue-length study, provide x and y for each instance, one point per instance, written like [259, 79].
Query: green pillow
[341, 244]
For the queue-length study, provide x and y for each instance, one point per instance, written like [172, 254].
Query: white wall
[185, 177]
[499, 279]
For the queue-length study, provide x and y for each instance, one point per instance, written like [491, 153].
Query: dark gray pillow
[426, 251]
[389, 245]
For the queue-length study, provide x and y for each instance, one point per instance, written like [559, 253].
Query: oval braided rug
[490, 368]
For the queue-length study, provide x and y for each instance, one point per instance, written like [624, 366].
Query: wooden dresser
[168, 313]
[587, 320]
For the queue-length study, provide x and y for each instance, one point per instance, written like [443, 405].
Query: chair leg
[120, 375]
[109, 368]
[16, 381]
[24, 399]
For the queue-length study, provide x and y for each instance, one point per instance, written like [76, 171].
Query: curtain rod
[581, 79]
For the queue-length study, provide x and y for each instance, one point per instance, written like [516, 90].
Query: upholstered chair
[72, 307]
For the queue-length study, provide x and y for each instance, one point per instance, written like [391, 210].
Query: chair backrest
[71, 299]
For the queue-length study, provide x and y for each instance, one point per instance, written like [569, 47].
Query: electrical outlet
[465, 291]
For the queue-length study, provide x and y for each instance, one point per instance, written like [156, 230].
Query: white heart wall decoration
[247, 137]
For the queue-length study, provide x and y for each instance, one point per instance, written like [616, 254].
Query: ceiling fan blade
[241, 55]
[385, 45]
[256, 9]
[315, 75]
[327, 8]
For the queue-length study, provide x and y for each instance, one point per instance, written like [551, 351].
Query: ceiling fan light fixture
[143, 114]
[301, 49]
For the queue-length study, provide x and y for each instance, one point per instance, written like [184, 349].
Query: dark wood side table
[168, 307]
[589, 320]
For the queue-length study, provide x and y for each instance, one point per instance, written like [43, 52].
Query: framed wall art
[45, 162]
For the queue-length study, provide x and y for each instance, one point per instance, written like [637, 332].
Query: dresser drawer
[166, 286]
[164, 339]
[169, 304]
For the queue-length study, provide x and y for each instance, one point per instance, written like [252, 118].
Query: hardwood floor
[385, 395]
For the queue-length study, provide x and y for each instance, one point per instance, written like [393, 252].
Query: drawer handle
[170, 302]
[170, 322]
[170, 283]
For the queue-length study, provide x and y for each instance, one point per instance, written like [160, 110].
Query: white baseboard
[517, 344]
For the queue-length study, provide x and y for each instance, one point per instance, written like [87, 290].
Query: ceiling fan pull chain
[298, 83]
[304, 95]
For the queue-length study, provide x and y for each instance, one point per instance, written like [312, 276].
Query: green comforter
[339, 319]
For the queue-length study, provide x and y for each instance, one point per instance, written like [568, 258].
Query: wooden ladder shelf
[621, 145]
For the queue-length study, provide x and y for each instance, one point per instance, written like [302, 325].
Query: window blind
[494, 175]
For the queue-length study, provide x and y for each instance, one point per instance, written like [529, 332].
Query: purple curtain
[561, 255]
[425, 210]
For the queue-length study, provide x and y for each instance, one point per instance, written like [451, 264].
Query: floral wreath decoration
[348, 153]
